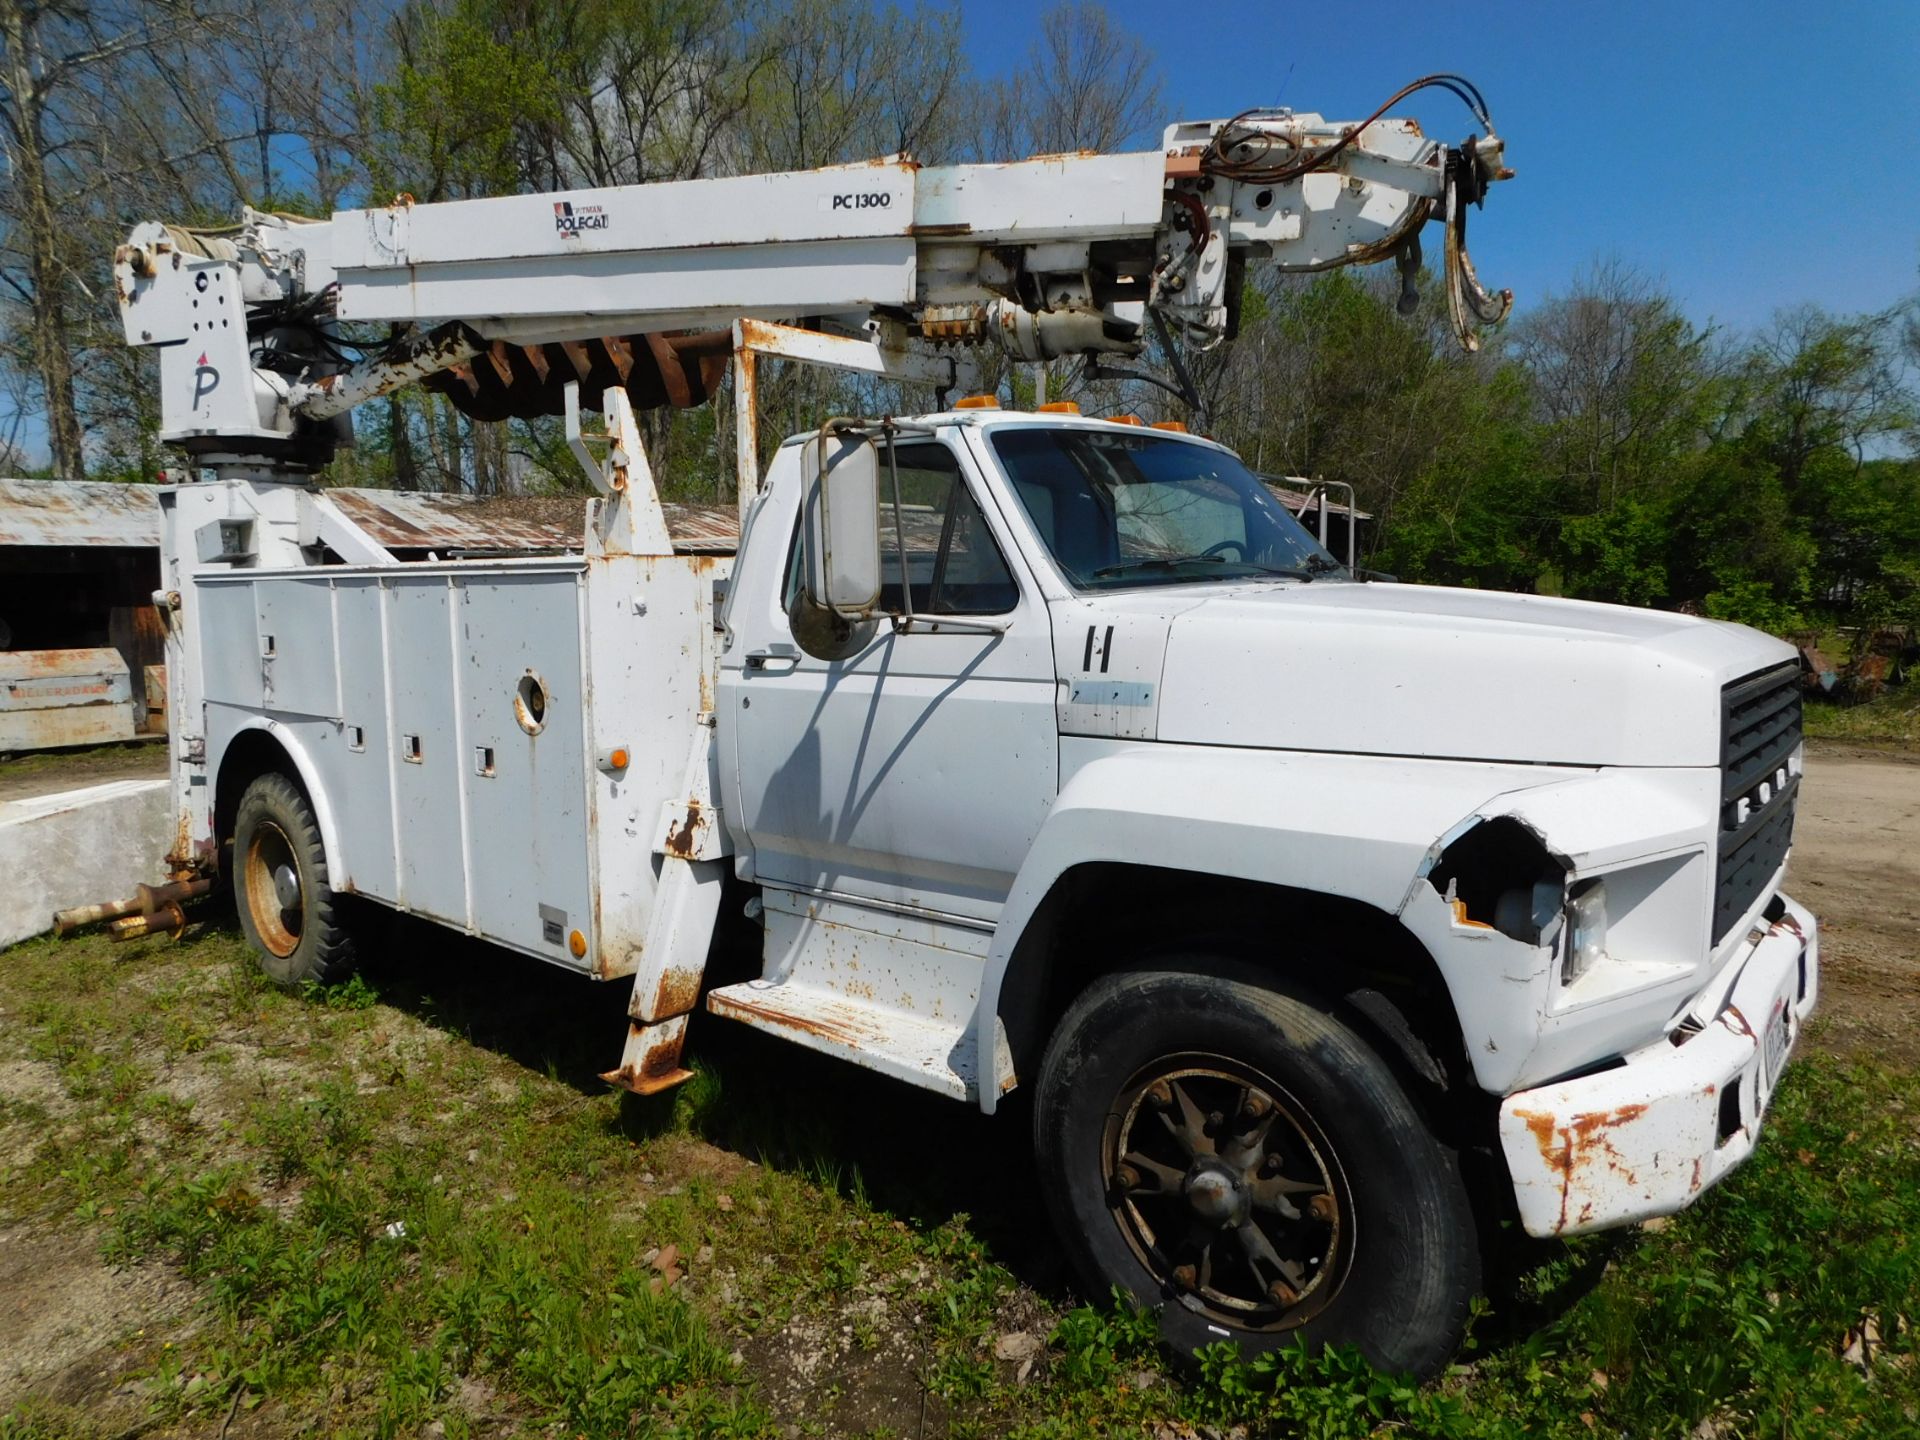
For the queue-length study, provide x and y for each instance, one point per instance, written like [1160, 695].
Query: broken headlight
[1586, 930]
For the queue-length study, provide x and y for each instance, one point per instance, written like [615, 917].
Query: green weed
[370, 1237]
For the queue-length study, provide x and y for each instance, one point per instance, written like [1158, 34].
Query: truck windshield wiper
[1167, 563]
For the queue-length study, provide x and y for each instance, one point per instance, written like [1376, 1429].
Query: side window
[953, 564]
[952, 559]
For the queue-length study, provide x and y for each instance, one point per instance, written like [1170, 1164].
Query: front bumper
[1647, 1136]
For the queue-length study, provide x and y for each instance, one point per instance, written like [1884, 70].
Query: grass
[406, 1202]
[1890, 718]
[84, 761]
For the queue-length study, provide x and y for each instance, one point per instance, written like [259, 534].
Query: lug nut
[1255, 1109]
[1160, 1095]
[1281, 1293]
[1321, 1207]
[1125, 1179]
[1186, 1277]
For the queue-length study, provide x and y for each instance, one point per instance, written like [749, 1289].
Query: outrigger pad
[524, 381]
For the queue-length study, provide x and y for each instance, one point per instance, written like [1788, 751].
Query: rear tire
[1231, 1154]
[290, 914]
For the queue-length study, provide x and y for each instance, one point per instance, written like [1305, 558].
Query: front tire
[1231, 1154]
[289, 913]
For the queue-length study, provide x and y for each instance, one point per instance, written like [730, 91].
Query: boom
[503, 304]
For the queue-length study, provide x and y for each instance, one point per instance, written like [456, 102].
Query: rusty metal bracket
[630, 520]
[880, 353]
[691, 845]
[651, 1061]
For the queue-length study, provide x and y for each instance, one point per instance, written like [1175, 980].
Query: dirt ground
[1856, 864]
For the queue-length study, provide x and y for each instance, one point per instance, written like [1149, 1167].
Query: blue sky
[1749, 156]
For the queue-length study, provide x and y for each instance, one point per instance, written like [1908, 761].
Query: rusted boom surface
[525, 381]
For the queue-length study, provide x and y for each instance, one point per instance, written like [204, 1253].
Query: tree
[1825, 384]
[1087, 85]
[1622, 384]
[52, 49]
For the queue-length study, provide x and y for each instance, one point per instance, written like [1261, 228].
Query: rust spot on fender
[1584, 1142]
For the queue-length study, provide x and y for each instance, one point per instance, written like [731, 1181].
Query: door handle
[776, 659]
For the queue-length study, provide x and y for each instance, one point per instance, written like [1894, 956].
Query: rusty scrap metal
[148, 903]
[1817, 672]
[167, 920]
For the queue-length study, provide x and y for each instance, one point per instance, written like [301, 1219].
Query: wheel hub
[1217, 1196]
[1228, 1192]
[271, 890]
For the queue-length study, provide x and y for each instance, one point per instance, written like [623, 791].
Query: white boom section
[1052, 256]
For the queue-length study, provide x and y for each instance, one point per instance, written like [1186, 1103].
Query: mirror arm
[899, 520]
[959, 624]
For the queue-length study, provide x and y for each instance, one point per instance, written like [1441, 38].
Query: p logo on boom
[206, 380]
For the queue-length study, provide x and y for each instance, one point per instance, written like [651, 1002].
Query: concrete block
[78, 847]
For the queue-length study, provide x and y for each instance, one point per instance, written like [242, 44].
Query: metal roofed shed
[1312, 503]
[79, 562]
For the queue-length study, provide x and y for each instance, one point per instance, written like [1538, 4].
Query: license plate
[1773, 1051]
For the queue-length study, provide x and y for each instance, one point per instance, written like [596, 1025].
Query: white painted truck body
[904, 813]
[1557, 830]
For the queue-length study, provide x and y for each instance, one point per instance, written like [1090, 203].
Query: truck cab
[1128, 750]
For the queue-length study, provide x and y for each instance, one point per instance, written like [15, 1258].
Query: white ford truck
[1323, 921]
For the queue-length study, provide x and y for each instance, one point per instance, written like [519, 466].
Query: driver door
[917, 770]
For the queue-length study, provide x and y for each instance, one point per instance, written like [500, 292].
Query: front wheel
[1231, 1154]
[290, 914]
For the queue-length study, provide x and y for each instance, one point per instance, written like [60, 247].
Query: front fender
[1355, 827]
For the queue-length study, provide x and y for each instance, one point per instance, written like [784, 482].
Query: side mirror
[841, 540]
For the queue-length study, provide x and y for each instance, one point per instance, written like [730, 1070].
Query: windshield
[1124, 509]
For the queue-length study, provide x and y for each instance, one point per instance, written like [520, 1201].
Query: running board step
[936, 1054]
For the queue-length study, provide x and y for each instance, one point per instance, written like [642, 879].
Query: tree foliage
[1604, 446]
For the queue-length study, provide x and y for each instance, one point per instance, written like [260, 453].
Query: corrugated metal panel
[96, 513]
[1296, 500]
[78, 512]
[709, 529]
[419, 520]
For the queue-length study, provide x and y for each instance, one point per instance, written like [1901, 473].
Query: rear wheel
[288, 911]
[1233, 1155]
